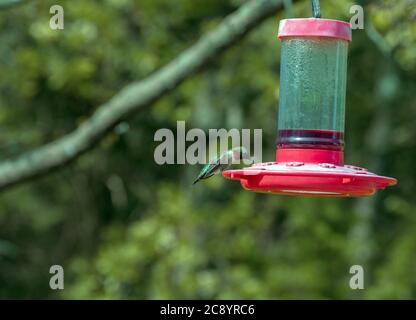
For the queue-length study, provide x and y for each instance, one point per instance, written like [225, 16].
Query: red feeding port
[310, 143]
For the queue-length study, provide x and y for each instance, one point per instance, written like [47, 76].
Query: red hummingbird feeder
[310, 143]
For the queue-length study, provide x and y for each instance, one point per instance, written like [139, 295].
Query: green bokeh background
[125, 227]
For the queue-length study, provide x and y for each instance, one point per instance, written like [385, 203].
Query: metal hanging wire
[316, 8]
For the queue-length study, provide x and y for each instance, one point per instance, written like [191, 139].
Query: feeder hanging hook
[316, 8]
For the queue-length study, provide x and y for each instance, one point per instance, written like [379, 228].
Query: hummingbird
[222, 163]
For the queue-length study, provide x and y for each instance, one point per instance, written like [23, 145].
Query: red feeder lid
[313, 27]
[309, 179]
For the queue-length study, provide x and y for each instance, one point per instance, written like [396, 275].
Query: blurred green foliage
[124, 227]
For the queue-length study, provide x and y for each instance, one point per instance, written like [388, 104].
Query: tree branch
[136, 96]
[10, 3]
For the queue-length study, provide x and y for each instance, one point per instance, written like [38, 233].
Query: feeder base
[309, 179]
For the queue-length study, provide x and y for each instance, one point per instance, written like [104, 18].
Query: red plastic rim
[313, 27]
[309, 179]
[310, 155]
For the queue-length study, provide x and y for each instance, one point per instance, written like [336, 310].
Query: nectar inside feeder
[310, 143]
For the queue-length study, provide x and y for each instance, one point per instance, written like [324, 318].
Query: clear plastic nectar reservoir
[312, 88]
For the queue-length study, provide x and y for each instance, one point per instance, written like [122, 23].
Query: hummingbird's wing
[209, 170]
